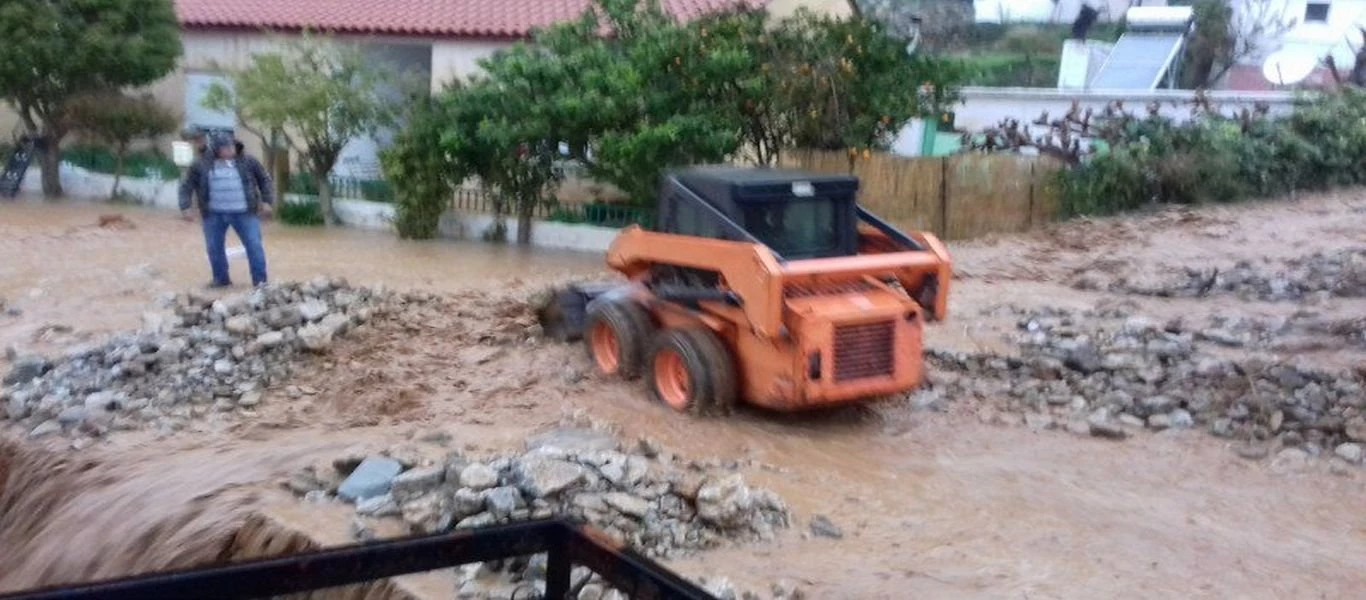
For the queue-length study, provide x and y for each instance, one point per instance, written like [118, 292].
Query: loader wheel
[617, 335]
[691, 371]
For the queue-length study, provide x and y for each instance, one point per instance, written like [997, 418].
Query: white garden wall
[360, 214]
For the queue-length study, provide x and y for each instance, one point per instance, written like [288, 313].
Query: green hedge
[137, 164]
[1220, 159]
[1012, 70]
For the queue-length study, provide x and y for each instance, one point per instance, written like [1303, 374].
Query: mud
[956, 497]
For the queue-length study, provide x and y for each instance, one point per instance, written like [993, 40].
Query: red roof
[452, 18]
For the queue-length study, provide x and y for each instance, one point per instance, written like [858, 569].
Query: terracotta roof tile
[454, 18]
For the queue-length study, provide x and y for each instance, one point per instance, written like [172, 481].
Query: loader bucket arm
[749, 270]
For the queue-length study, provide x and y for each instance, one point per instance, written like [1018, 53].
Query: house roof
[448, 18]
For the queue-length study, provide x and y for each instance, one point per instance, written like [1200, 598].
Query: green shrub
[1218, 158]
[302, 213]
[137, 164]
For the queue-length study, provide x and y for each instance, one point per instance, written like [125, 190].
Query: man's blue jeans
[248, 229]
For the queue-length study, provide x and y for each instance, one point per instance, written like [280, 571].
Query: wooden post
[1029, 220]
[944, 197]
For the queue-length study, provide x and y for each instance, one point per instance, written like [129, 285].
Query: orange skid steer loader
[767, 286]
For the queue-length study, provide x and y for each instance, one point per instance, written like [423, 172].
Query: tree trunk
[51, 156]
[526, 209]
[119, 155]
[325, 199]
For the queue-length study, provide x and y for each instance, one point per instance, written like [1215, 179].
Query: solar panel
[1137, 62]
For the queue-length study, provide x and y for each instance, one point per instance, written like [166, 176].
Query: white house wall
[458, 59]
[1338, 35]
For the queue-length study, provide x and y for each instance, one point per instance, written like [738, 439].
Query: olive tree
[54, 52]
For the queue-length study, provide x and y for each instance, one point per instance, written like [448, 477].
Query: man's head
[223, 146]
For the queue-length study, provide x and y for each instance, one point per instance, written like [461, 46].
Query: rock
[725, 502]
[240, 324]
[313, 310]
[26, 368]
[1290, 459]
[543, 477]
[478, 476]
[103, 401]
[1107, 430]
[45, 429]
[415, 482]
[503, 501]
[721, 588]
[72, 415]
[271, 339]
[626, 503]
[372, 478]
[249, 399]
[572, 439]
[315, 337]
[1355, 429]
[1180, 419]
[378, 506]
[822, 526]
[1350, 452]
[1253, 451]
[425, 514]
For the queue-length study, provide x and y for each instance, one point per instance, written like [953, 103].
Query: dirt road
[959, 496]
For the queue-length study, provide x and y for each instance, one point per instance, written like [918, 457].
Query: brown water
[61, 267]
[946, 505]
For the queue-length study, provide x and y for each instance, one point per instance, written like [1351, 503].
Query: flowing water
[933, 505]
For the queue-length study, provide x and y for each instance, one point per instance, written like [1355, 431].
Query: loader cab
[796, 214]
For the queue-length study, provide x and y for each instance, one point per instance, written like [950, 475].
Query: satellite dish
[1289, 66]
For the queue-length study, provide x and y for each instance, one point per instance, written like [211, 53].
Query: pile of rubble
[1339, 274]
[642, 497]
[1143, 374]
[199, 354]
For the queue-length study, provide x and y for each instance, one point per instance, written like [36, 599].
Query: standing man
[230, 190]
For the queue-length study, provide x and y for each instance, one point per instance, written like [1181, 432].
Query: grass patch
[137, 164]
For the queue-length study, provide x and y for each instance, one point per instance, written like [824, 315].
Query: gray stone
[271, 339]
[45, 429]
[542, 477]
[478, 476]
[26, 369]
[822, 526]
[572, 439]
[1107, 430]
[725, 502]
[240, 325]
[249, 399]
[466, 502]
[1180, 419]
[415, 482]
[315, 337]
[72, 415]
[1350, 452]
[502, 501]
[626, 503]
[313, 310]
[373, 477]
[101, 401]
[379, 506]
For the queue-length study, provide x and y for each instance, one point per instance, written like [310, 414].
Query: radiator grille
[795, 290]
[865, 350]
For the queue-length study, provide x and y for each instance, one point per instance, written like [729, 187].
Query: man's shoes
[214, 285]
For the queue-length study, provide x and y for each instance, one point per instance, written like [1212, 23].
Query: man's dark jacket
[255, 182]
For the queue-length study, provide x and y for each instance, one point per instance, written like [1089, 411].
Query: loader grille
[797, 290]
[864, 350]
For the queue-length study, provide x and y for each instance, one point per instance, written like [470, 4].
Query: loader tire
[691, 371]
[618, 335]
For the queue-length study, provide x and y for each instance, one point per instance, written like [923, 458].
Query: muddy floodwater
[63, 266]
[956, 496]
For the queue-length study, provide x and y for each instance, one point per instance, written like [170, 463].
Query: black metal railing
[564, 544]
